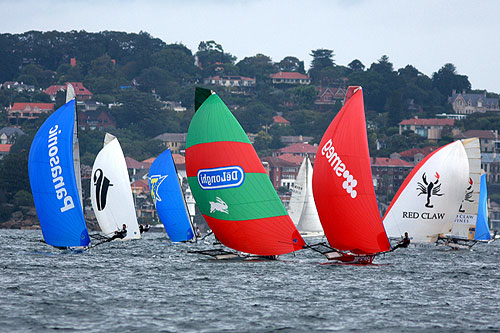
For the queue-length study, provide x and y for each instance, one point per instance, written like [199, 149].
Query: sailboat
[110, 191]
[168, 198]
[427, 202]
[343, 188]
[302, 208]
[54, 173]
[231, 187]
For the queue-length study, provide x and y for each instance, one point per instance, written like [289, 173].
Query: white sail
[302, 208]
[464, 225]
[70, 94]
[110, 191]
[428, 201]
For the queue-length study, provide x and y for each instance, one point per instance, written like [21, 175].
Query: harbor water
[152, 285]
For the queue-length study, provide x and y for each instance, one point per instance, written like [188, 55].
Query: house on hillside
[298, 149]
[176, 142]
[388, 174]
[414, 155]
[431, 129]
[280, 121]
[82, 93]
[463, 103]
[4, 150]
[329, 96]
[230, 81]
[292, 139]
[283, 169]
[14, 85]
[292, 78]
[27, 111]
[8, 135]
[99, 120]
[488, 139]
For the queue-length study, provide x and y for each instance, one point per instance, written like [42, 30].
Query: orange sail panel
[231, 187]
[343, 186]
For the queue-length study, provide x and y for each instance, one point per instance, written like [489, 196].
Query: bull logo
[429, 188]
[468, 195]
[219, 205]
[102, 185]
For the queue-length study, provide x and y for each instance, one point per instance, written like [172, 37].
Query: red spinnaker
[343, 186]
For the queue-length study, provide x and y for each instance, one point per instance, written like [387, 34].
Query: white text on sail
[339, 167]
[56, 171]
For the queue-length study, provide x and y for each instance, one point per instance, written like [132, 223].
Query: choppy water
[152, 285]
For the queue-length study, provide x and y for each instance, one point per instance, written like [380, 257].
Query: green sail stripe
[252, 200]
[213, 122]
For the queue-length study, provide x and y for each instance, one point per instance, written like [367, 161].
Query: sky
[424, 33]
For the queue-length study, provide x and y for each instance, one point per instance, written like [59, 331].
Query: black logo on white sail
[468, 195]
[429, 188]
[102, 185]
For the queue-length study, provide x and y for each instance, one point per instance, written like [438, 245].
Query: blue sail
[53, 182]
[168, 198]
[482, 229]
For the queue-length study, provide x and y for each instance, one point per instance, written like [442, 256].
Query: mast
[70, 94]
[183, 197]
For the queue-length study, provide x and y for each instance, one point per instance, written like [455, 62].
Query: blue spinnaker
[168, 198]
[482, 229]
[53, 182]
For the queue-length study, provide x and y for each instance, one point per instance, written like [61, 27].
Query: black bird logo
[468, 195]
[102, 184]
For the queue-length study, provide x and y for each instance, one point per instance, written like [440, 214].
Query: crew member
[120, 233]
[404, 242]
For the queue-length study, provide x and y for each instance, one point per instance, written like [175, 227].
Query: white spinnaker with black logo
[302, 208]
[114, 205]
[424, 216]
[465, 221]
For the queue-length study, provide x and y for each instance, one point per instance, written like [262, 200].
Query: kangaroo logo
[429, 188]
[155, 182]
[468, 195]
[102, 185]
[219, 205]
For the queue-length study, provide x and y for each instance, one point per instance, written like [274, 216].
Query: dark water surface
[152, 285]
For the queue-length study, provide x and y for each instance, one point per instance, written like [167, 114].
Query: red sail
[343, 186]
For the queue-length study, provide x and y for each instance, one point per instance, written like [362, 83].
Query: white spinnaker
[465, 221]
[110, 191]
[426, 216]
[299, 190]
[302, 208]
[309, 219]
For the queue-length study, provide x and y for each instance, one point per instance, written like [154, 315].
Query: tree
[210, 52]
[291, 64]
[322, 58]
[259, 66]
[446, 79]
[304, 95]
[356, 66]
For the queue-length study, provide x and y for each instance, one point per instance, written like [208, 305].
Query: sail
[230, 185]
[168, 198]
[427, 202]
[343, 186]
[110, 191]
[482, 228]
[53, 182]
[465, 222]
[302, 208]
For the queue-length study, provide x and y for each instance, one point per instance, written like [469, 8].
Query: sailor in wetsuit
[403, 243]
[147, 227]
[120, 233]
